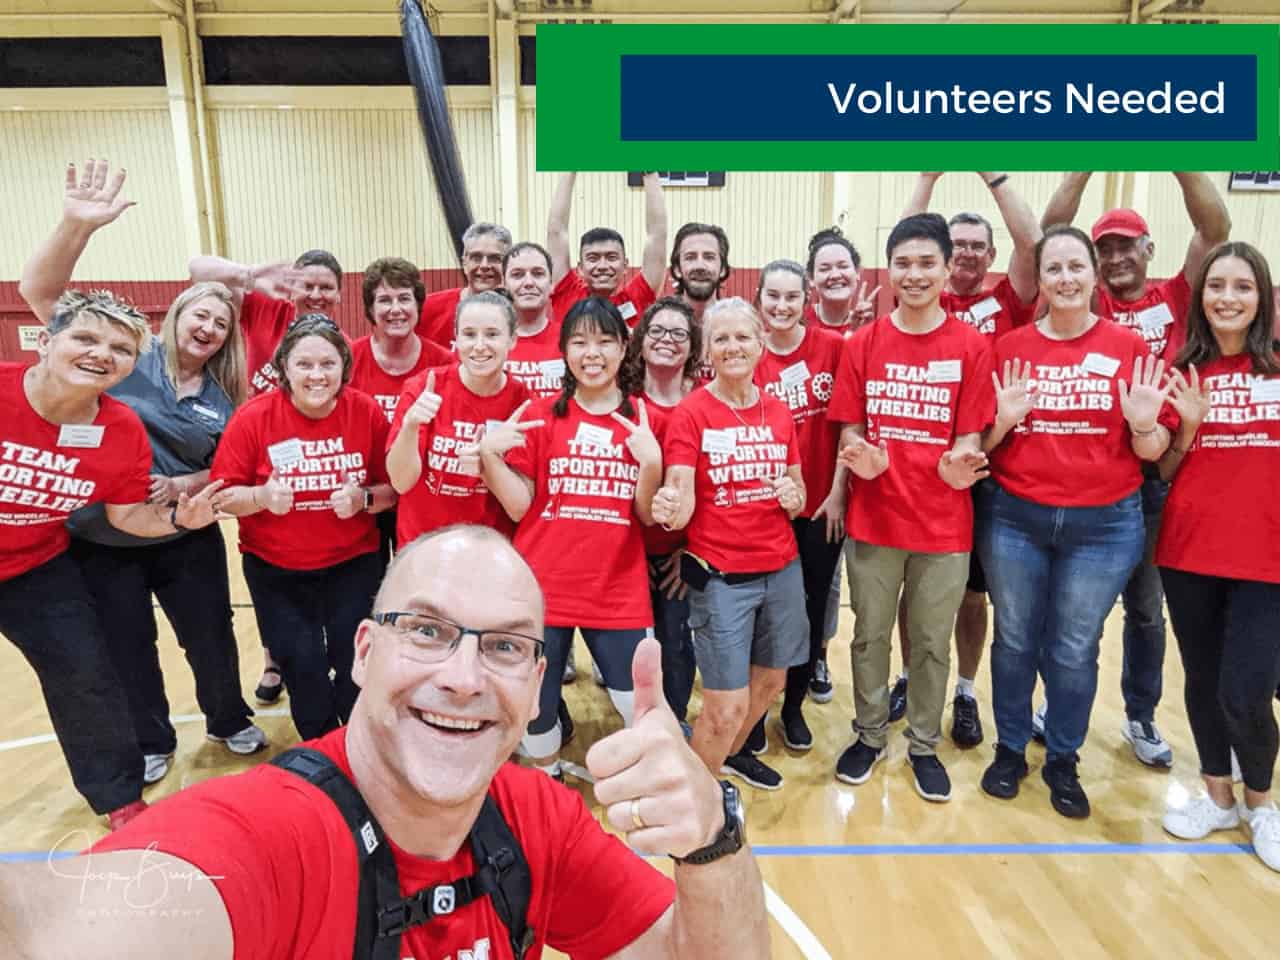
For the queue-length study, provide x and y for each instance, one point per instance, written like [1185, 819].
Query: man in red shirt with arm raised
[1158, 311]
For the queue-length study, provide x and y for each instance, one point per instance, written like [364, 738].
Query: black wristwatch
[732, 836]
[368, 499]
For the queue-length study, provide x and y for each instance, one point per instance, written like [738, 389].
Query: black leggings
[1229, 634]
[818, 561]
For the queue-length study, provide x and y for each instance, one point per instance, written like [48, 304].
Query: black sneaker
[795, 732]
[1065, 792]
[857, 762]
[898, 700]
[966, 726]
[1001, 779]
[566, 723]
[757, 743]
[746, 767]
[931, 778]
[820, 689]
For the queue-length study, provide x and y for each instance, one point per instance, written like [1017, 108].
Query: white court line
[177, 718]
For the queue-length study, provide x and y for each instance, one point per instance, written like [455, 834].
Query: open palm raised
[90, 198]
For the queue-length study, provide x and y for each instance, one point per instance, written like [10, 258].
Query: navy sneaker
[795, 732]
[931, 778]
[1065, 792]
[1007, 770]
[857, 762]
[746, 767]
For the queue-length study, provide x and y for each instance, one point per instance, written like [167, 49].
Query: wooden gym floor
[870, 871]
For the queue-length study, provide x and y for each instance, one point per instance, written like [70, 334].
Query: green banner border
[579, 102]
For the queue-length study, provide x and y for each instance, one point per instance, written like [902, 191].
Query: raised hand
[348, 499]
[193, 513]
[1015, 393]
[427, 405]
[1141, 403]
[90, 200]
[654, 788]
[278, 279]
[790, 496]
[509, 435]
[863, 459]
[1189, 397]
[640, 439]
[666, 505]
[276, 495]
[961, 469]
[864, 304]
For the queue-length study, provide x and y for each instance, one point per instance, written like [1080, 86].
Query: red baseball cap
[1122, 222]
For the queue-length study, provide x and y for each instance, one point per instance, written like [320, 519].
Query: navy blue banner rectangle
[974, 97]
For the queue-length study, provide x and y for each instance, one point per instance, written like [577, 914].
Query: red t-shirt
[632, 298]
[803, 380]
[43, 481]
[1073, 449]
[1222, 518]
[313, 457]
[581, 535]
[811, 319]
[1159, 315]
[263, 322]
[994, 312]
[537, 362]
[287, 872]
[438, 312]
[385, 388]
[918, 393]
[737, 526]
[442, 495]
[657, 541]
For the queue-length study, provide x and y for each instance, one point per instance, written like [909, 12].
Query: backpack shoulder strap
[498, 854]
[379, 883]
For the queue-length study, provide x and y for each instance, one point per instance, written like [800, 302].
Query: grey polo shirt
[184, 435]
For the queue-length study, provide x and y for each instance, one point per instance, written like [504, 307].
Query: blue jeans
[1142, 676]
[1054, 574]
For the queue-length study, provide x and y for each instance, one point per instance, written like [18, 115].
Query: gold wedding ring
[635, 815]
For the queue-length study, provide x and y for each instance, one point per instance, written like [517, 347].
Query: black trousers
[189, 578]
[818, 561]
[47, 614]
[1228, 632]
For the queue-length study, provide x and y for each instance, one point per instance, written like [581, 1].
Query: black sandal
[268, 695]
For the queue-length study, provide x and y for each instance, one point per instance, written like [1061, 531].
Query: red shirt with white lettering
[314, 458]
[1222, 518]
[439, 310]
[657, 541]
[917, 393]
[737, 526]
[1074, 448]
[443, 494]
[994, 312]
[803, 380]
[1159, 315]
[385, 388]
[632, 298]
[42, 481]
[581, 535]
[263, 322]
[537, 362]
[284, 863]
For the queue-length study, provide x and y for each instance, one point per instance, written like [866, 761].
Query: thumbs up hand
[654, 787]
[427, 405]
[348, 499]
[276, 495]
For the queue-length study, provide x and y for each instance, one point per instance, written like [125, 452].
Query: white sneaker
[1199, 818]
[1264, 829]
[249, 740]
[1148, 746]
[155, 766]
[596, 674]
[1037, 722]
[570, 672]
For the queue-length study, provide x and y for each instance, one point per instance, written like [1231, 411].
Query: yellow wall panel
[146, 243]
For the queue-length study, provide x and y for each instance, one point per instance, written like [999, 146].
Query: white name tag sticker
[1265, 391]
[86, 435]
[207, 412]
[285, 453]
[943, 371]
[627, 309]
[984, 308]
[592, 436]
[29, 337]
[719, 441]
[553, 369]
[794, 375]
[1154, 319]
[1100, 364]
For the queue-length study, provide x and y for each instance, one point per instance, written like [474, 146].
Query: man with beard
[483, 247]
[602, 256]
[992, 312]
[699, 265]
[1158, 311]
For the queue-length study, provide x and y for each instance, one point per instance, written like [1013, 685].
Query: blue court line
[920, 850]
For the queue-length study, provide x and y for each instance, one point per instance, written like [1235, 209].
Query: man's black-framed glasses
[430, 639]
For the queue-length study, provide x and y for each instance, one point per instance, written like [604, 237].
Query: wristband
[173, 519]
[998, 181]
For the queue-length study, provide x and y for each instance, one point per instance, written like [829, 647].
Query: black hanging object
[426, 73]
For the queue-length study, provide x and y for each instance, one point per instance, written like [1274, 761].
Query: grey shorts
[758, 623]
